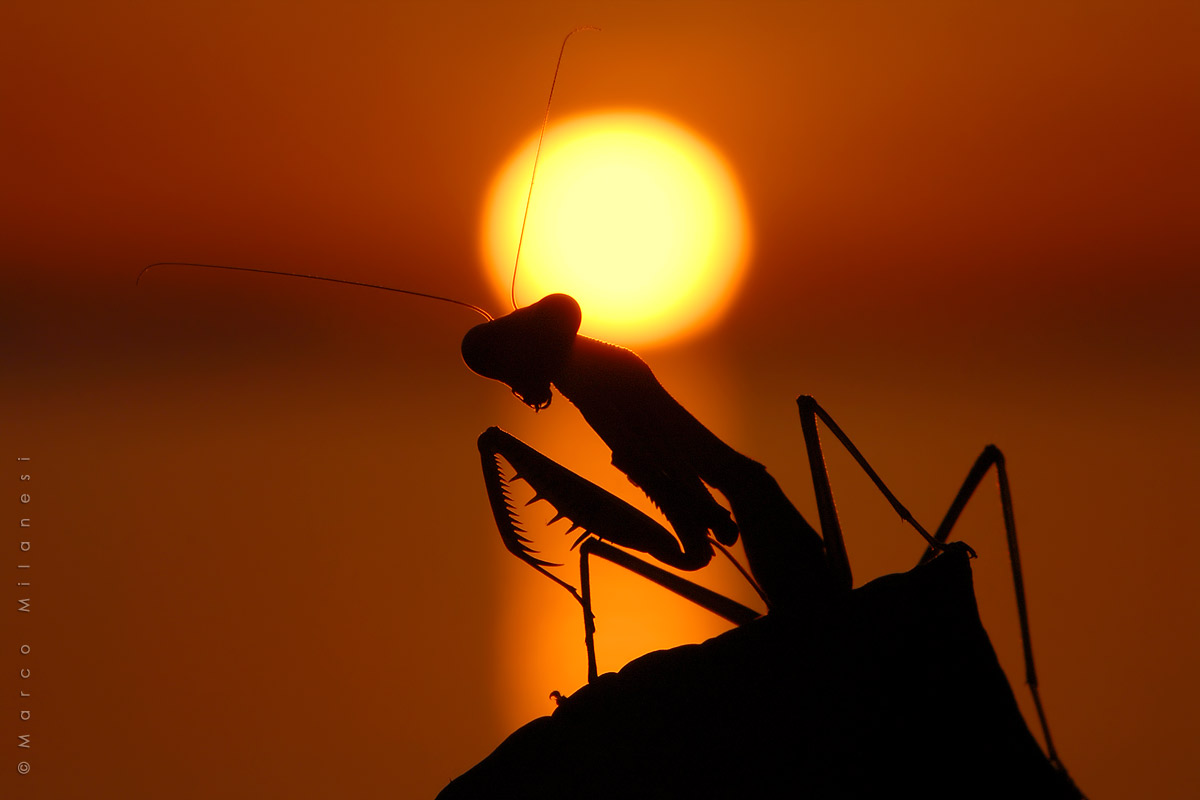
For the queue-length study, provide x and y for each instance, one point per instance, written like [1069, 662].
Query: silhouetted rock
[894, 690]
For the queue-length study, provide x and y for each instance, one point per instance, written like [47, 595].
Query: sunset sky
[262, 558]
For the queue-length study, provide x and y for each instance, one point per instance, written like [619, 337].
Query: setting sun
[632, 214]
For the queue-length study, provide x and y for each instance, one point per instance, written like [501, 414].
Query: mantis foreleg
[602, 517]
[717, 603]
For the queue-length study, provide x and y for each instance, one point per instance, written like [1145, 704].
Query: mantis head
[527, 348]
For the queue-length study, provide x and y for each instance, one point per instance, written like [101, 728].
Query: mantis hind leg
[831, 529]
[991, 457]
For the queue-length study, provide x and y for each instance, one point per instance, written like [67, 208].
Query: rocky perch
[893, 690]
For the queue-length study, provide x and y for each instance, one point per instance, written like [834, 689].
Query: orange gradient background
[263, 561]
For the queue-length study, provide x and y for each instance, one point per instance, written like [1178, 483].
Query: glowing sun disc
[632, 214]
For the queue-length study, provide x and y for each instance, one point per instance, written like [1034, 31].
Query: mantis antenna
[512, 293]
[474, 308]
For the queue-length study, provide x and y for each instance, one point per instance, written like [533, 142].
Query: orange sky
[263, 561]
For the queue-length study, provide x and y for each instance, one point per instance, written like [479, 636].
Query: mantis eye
[525, 349]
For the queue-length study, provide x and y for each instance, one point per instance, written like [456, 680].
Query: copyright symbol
[23, 767]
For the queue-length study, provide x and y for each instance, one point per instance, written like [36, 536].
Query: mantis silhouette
[675, 460]
[672, 457]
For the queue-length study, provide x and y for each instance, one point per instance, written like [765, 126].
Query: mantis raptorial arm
[601, 516]
[587, 506]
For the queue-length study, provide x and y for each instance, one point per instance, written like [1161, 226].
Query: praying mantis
[675, 459]
[672, 457]
[798, 570]
[803, 575]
